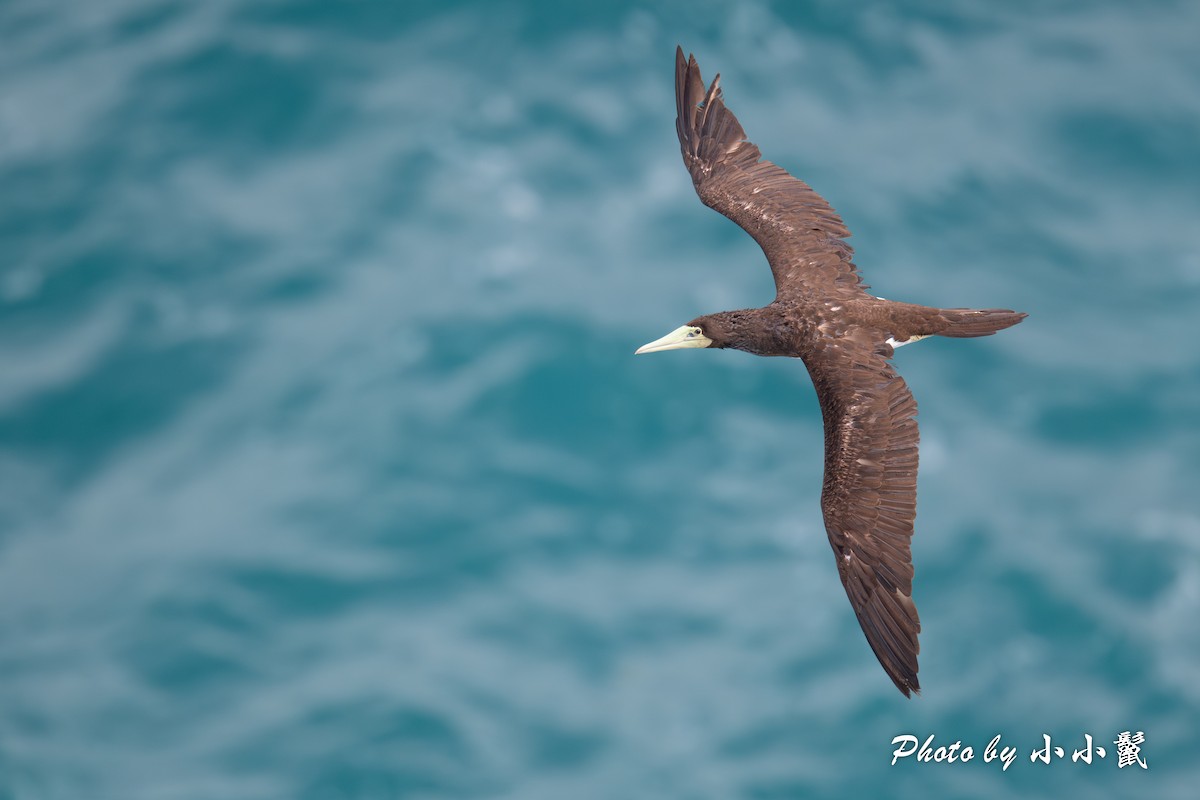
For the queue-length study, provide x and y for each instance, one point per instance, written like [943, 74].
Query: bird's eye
[691, 334]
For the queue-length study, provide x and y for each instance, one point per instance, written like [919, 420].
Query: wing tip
[903, 674]
[908, 687]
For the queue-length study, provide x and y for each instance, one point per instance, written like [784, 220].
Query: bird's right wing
[869, 497]
[802, 236]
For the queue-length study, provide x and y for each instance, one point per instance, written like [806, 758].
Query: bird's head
[732, 329]
[690, 335]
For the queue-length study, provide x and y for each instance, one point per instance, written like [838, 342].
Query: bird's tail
[963, 323]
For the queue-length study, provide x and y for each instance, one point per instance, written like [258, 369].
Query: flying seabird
[823, 314]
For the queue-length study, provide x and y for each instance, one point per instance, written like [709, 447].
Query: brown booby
[823, 314]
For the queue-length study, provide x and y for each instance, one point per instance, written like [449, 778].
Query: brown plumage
[823, 314]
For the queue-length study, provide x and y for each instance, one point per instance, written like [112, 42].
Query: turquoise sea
[327, 470]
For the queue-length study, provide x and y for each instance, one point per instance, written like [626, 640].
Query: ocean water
[327, 471]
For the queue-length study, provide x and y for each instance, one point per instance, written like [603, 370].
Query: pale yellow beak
[683, 336]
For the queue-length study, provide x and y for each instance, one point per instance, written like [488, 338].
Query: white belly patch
[909, 340]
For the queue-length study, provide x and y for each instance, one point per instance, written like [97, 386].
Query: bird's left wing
[803, 238]
[869, 497]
